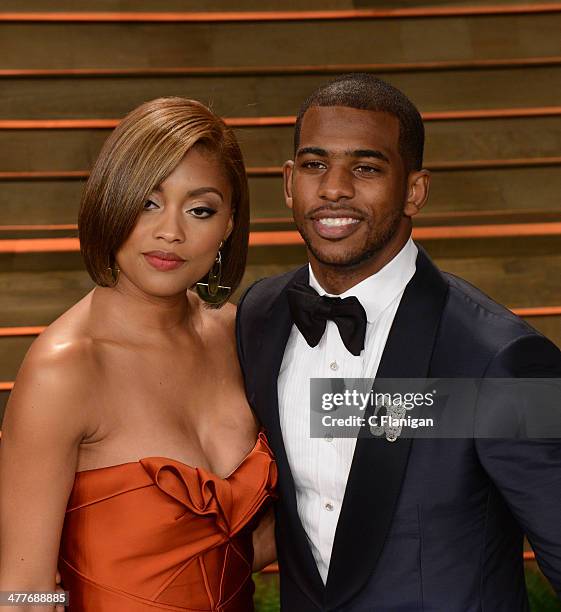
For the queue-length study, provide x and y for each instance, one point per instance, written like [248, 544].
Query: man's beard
[375, 241]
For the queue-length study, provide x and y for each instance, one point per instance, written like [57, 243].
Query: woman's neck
[126, 309]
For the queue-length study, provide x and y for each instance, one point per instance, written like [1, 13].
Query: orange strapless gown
[157, 534]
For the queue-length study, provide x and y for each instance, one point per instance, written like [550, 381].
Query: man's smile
[337, 221]
[336, 226]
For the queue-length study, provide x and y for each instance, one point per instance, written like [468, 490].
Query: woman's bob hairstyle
[141, 152]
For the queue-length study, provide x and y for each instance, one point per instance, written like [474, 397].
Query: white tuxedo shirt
[320, 466]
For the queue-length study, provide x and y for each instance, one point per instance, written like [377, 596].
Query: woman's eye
[149, 205]
[202, 212]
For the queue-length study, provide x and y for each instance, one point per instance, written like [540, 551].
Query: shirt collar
[378, 291]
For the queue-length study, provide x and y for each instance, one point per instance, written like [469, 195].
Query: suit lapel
[369, 503]
[273, 336]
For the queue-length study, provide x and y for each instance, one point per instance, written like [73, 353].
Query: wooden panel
[38, 288]
[514, 271]
[423, 12]
[103, 97]
[50, 150]
[65, 150]
[226, 5]
[284, 69]
[40, 297]
[505, 189]
[448, 3]
[3, 400]
[493, 139]
[185, 5]
[40, 201]
[12, 352]
[146, 45]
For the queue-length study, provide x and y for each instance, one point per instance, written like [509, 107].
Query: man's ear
[287, 170]
[418, 183]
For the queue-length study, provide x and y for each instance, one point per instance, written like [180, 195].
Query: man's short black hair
[367, 92]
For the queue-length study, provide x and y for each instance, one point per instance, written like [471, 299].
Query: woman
[128, 442]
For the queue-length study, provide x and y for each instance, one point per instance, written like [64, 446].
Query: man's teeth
[337, 221]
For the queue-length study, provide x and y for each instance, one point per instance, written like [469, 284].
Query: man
[369, 525]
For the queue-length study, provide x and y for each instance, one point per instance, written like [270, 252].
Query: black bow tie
[310, 313]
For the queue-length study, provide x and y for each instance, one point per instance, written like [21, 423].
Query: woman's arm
[264, 546]
[42, 429]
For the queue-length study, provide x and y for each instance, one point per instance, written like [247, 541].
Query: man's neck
[336, 279]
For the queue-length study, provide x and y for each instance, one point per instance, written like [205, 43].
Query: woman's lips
[163, 261]
[335, 228]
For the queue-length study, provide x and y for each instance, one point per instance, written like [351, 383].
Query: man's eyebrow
[368, 153]
[312, 151]
[349, 153]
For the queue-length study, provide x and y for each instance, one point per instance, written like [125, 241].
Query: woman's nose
[170, 227]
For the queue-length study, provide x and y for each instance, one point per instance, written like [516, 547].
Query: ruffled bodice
[158, 534]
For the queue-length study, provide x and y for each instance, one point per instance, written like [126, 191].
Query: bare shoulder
[65, 348]
[57, 375]
[55, 357]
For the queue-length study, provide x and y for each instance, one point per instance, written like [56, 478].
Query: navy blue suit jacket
[433, 525]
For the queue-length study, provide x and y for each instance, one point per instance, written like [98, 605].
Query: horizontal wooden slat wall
[324, 41]
[487, 78]
[458, 140]
[173, 5]
[226, 5]
[109, 96]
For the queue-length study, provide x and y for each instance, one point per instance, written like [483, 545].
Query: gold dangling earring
[212, 291]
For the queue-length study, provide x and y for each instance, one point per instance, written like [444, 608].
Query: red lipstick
[164, 260]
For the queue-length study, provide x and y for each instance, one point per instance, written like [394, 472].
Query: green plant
[541, 595]
[266, 592]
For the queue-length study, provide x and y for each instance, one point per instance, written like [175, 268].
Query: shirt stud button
[334, 365]
[329, 507]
